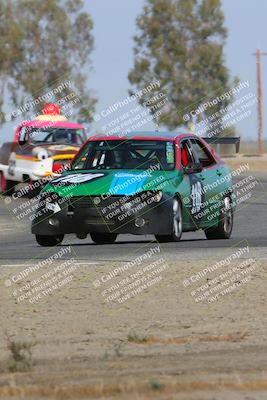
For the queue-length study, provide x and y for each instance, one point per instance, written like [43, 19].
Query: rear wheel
[177, 225]
[6, 186]
[225, 226]
[49, 241]
[103, 238]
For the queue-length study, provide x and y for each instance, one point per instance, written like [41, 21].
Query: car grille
[95, 201]
[108, 210]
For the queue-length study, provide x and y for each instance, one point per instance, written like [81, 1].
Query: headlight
[158, 196]
[41, 153]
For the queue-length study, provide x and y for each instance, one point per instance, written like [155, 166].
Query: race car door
[214, 180]
[209, 177]
[195, 193]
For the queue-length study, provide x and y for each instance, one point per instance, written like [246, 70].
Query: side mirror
[22, 142]
[193, 168]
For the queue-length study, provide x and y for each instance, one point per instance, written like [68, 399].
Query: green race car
[140, 183]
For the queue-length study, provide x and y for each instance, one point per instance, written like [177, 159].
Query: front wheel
[177, 224]
[225, 226]
[49, 241]
[103, 238]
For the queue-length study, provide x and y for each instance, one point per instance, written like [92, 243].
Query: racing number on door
[196, 196]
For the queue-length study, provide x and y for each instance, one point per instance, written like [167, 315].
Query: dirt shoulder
[256, 164]
[164, 342]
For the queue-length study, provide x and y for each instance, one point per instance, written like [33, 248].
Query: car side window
[187, 157]
[205, 158]
[24, 133]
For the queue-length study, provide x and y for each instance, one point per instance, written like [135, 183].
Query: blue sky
[113, 57]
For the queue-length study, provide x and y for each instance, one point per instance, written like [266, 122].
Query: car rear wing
[224, 140]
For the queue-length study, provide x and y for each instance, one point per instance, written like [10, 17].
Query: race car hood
[112, 182]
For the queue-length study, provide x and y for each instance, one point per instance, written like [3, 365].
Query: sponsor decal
[128, 175]
[169, 153]
[76, 178]
[197, 197]
[127, 184]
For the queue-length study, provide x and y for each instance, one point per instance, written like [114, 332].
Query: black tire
[7, 187]
[49, 241]
[103, 238]
[177, 224]
[33, 193]
[224, 229]
[32, 190]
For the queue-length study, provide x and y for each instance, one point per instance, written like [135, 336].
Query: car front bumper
[112, 215]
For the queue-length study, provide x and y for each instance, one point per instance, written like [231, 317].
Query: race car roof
[51, 124]
[140, 135]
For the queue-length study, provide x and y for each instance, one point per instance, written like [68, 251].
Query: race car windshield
[56, 135]
[130, 154]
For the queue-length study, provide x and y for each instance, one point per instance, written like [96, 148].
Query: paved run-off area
[136, 319]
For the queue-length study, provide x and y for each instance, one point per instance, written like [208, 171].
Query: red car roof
[171, 136]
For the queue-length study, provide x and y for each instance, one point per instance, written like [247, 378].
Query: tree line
[179, 43]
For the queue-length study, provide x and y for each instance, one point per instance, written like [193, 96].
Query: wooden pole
[260, 103]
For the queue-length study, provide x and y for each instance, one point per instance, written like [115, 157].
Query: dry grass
[121, 390]
[150, 340]
[136, 338]
[20, 355]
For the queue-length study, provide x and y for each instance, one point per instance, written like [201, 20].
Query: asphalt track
[18, 246]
